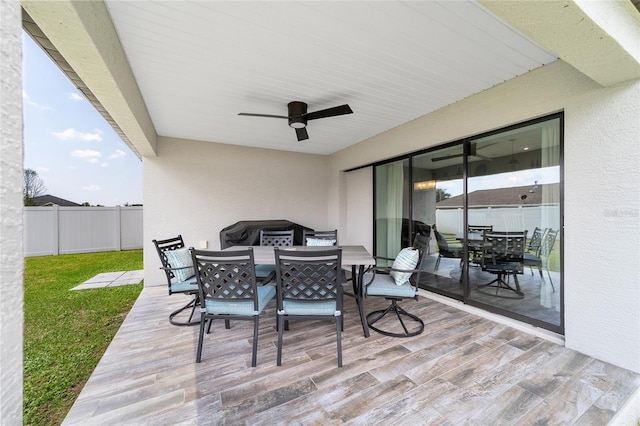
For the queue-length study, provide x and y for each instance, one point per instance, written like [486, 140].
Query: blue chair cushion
[240, 306]
[320, 307]
[187, 286]
[531, 259]
[263, 271]
[385, 285]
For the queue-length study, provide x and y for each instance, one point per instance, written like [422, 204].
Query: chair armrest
[175, 269]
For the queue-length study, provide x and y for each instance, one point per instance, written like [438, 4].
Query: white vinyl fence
[63, 230]
[502, 218]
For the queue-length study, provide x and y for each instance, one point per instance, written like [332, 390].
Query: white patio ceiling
[198, 64]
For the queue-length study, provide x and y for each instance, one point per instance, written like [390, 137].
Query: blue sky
[76, 153]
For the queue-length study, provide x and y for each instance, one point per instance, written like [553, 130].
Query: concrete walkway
[112, 279]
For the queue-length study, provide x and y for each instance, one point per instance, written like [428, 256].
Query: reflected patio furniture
[476, 244]
[178, 267]
[542, 258]
[309, 287]
[273, 238]
[533, 248]
[395, 284]
[228, 290]
[446, 250]
[503, 256]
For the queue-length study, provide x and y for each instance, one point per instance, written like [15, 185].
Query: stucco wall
[196, 189]
[602, 195]
[11, 261]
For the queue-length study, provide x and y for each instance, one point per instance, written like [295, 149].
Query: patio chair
[319, 238]
[268, 237]
[396, 283]
[228, 290]
[533, 248]
[542, 257]
[445, 250]
[178, 267]
[503, 256]
[476, 250]
[309, 287]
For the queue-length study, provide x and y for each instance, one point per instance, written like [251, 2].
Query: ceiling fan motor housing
[297, 112]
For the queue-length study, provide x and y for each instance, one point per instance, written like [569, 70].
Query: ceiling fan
[298, 116]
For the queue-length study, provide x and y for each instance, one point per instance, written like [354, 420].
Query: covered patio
[171, 78]
[463, 369]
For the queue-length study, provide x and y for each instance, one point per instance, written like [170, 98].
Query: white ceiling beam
[84, 35]
[598, 38]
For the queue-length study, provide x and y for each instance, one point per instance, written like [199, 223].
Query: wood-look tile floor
[462, 370]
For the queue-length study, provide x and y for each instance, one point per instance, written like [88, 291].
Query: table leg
[358, 290]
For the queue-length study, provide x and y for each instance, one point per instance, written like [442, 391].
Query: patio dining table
[355, 257]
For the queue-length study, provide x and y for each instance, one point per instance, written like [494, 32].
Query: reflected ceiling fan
[298, 116]
[472, 152]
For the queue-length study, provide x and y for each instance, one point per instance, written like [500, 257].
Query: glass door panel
[437, 190]
[514, 186]
[392, 200]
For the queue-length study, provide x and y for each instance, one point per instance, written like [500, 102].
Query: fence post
[55, 229]
[118, 229]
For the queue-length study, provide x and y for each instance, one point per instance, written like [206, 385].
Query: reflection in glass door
[492, 206]
[437, 189]
[514, 187]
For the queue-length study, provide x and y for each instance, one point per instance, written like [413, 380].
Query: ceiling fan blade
[329, 112]
[302, 134]
[248, 114]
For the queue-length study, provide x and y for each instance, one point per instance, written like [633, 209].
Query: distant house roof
[50, 200]
[506, 196]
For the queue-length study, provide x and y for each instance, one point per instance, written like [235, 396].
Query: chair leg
[280, 331]
[375, 316]
[227, 324]
[339, 337]
[201, 337]
[254, 354]
[192, 304]
[437, 264]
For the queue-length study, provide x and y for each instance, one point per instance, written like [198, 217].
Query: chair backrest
[536, 240]
[504, 246]
[276, 238]
[319, 235]
[163, 246]
[421, 243]
[309, 276]
[441, 240]
[226, 276]
[548, 241]
[480, 228]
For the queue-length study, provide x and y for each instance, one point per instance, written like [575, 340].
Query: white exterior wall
[602, 195]
[197, 188]
[11, 262]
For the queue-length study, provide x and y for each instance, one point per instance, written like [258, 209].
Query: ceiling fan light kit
[298, 116]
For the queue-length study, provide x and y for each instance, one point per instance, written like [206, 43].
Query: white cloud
[86, 153]
[92, 188]
[74, 134]
[118, 154]
[42, 169]
[105, 164]
[74, 96]
[28, 101]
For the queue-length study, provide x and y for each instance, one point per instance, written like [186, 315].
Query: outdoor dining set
[307, 281]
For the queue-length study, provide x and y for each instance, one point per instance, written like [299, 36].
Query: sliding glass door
[506, 183]
[513, 186]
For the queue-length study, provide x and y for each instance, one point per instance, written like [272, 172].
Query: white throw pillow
[406, 259]
[181, 258]
[320, 242]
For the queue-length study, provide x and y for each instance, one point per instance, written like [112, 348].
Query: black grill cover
[247, 232]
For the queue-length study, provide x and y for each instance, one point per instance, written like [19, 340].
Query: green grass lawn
[66, 332]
